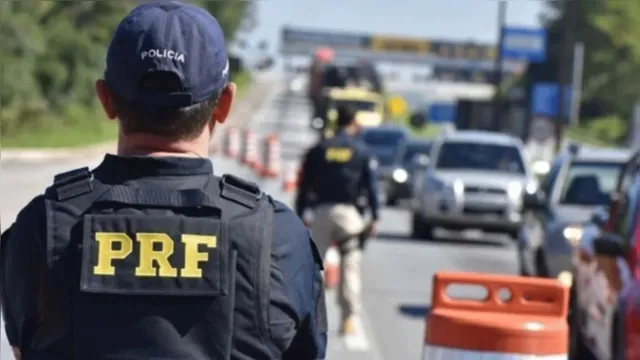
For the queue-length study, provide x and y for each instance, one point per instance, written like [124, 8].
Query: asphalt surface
[397, 270]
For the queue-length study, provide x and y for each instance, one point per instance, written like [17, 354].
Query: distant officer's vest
[341, 167]
[156, 273]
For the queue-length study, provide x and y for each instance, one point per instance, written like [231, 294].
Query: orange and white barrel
[271, 157]
[250, 149]
[531, 323]
[332, 267]
[290, 178]
[232, 142]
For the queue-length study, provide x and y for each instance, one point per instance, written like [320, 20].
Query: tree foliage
[53, 51]
[610, 32]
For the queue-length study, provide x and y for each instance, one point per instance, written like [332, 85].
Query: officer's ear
[223, 107]
[105, 99]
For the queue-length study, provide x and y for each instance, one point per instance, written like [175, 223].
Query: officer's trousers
[342, 224]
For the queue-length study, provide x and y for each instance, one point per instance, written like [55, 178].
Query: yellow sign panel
[388, 43]
[397, 106]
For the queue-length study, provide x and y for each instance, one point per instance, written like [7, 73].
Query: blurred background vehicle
[476, 179]
[384, 142]
[606, 287]
[369, 107]
[411, 159]
[580, 180]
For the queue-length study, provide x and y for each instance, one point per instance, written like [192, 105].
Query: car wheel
[542, 270]
[391, 201]
[419, 228]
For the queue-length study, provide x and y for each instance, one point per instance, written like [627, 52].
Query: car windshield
[413, 150]
[590, 183]
[358, 105]
[384, 144]
[479, 156]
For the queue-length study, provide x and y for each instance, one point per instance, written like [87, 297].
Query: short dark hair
[184, 123]
[346, 115]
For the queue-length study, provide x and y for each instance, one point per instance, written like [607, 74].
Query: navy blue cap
[168, 36]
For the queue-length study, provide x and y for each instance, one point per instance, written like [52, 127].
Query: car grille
[469, 210]
[484, 190]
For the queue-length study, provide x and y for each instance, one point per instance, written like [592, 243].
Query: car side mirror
[610, 245]
[534, 201]
[600, 216]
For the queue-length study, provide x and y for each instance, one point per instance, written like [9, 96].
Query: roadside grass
[82, 127]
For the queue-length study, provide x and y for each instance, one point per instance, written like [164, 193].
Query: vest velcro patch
[154, 255]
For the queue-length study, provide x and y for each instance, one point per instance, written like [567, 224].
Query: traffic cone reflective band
[531, 324]
[271, 160]
[290, 180]
[331, 267]
[250, 149]
[232, 142]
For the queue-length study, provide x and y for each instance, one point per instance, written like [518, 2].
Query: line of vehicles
[578, 222]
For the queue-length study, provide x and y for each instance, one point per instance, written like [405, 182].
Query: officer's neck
[150, 145]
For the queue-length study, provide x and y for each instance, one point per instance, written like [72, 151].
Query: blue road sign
[524, 44]
[442, 113]
[544, 100]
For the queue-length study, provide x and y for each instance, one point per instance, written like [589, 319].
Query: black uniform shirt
[297, 313]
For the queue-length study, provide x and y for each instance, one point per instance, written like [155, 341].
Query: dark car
[410, 159]
[385, 142]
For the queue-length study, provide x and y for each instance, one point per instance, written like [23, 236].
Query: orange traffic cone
[250, 149]
[290, 181]
[271, 154]
[232, 142]
[332, 267]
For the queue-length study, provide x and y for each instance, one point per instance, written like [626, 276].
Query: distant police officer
[150, 256]
[336, 171]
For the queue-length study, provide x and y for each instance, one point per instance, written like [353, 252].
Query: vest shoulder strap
[71, 184]
[240, 191]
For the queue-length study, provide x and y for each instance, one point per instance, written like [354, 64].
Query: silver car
[476, 179]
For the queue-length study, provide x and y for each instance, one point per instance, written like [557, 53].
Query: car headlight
[458, 187]
[532, 187]
[565, 278]
[573, 234]
[514, 189]
[400, 175]
[541, 167]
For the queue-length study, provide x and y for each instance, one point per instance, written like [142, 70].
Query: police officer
[151, 256]
[336, 170]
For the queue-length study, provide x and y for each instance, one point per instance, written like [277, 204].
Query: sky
[464, 20]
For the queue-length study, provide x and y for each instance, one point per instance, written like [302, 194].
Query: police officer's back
[337, 170]
[151, 256]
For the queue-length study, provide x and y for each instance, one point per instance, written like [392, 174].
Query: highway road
[397, 270]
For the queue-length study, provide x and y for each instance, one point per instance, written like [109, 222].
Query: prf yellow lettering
[340, 155]
[152, 260]
[192, 257]
[150, 257]
[107, 254]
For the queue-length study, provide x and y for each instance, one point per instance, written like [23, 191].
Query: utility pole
[565, 65]
[497, 76]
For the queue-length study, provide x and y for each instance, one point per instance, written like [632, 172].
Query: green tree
[52, 52]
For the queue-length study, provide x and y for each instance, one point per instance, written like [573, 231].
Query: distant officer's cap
[168, 36]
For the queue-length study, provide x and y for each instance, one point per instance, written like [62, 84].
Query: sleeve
[21, 266]
[301, 201]
[369, 179]
[300, 267]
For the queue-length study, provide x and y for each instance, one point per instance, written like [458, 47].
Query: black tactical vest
[157, 273]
